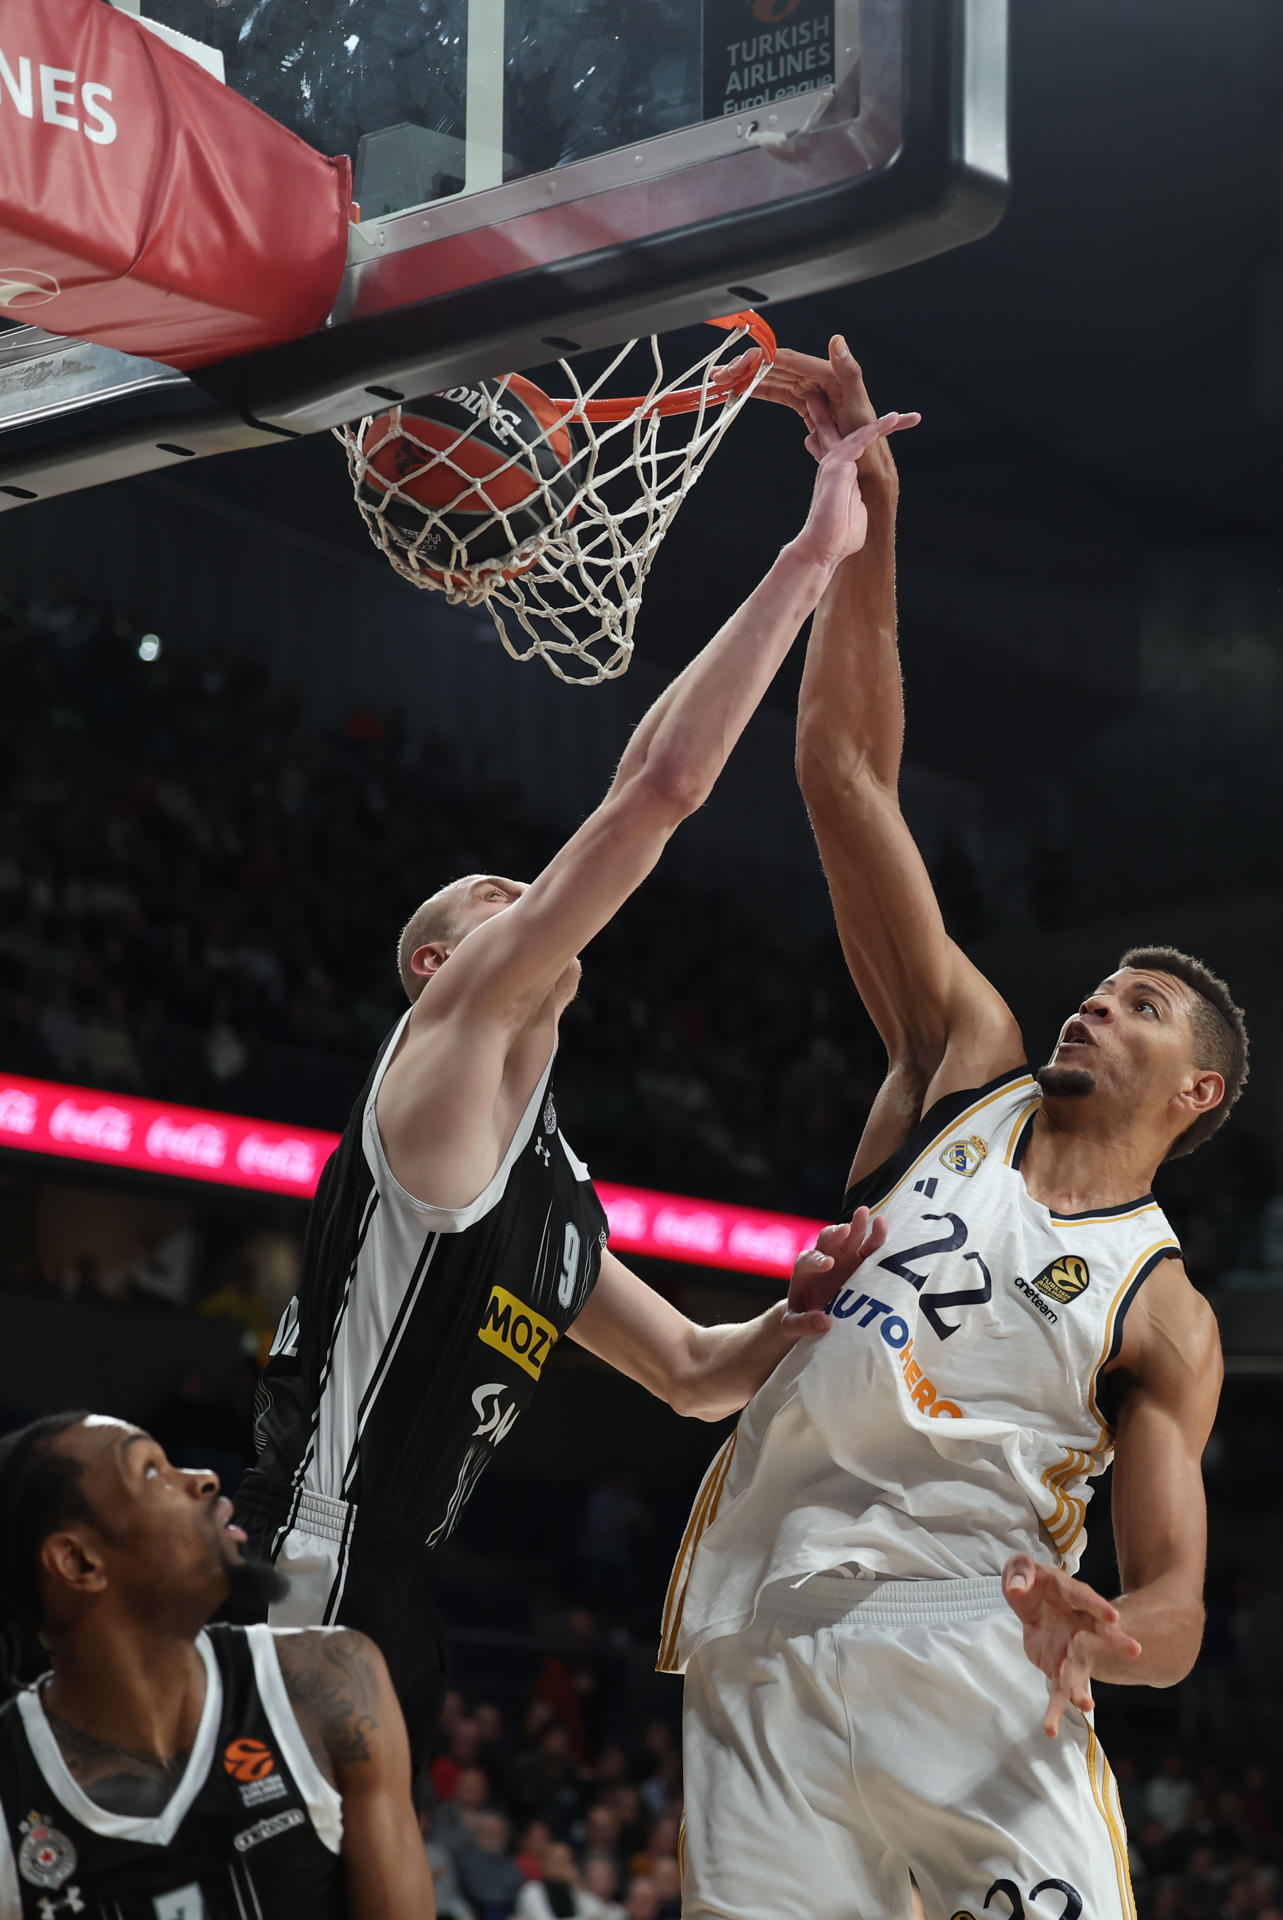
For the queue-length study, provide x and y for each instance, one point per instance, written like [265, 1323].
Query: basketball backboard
[539, 176]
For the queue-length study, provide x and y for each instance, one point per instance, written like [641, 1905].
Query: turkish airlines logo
[56, 96]
[24, 287]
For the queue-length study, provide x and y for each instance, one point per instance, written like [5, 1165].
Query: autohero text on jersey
[894, 1330]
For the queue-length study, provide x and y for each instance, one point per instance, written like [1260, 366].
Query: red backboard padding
[147, 207]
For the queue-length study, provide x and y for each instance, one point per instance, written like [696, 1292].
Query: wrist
[805, 556]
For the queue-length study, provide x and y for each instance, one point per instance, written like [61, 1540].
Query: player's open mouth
[225, 1522]
[1075, 1035]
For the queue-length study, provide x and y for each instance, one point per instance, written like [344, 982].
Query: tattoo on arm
[332, 1675]
[118, 1779]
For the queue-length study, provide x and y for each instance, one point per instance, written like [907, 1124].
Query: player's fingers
[903, 421]
[833, 1239]
[820, 415]
[1056, 1705]
[1019, 1576]
[1118, 1640]
[858, 1226]
[1075, 1672]
[842, 360]
[875, 1237]
[1085, 1599]
[797, 1326]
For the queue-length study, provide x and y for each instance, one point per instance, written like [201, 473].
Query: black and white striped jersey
[252, 1831]
[419, 1333]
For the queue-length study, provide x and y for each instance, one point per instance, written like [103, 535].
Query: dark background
[1091, 577]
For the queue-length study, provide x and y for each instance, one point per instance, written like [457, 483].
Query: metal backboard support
[541, 176]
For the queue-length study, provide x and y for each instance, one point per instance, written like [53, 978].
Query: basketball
[471, 474]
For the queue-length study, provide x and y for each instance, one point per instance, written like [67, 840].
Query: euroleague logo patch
[248, 1760]
[1064, 1279]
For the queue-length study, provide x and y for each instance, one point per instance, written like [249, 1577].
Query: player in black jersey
[455, 1236]
[165, 1770]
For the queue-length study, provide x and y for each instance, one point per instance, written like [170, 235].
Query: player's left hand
[1067, 1624]
[820, 1273]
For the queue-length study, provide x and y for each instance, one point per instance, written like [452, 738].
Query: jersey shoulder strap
[968, 1125]
[252, 1678]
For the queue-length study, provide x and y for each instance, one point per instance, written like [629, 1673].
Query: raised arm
[943, 1025]
[339, 1688]
[671, 762]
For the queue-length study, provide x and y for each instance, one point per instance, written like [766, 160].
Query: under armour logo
[544, 1152]
[69, 1901]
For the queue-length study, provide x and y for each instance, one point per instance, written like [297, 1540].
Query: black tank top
[419, 1333]
[252, 1831]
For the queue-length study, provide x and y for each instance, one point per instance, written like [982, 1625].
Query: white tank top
[952, 1415]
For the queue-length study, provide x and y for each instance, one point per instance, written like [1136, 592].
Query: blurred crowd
[576, 1810]
[200, 895]
[1205, 1837]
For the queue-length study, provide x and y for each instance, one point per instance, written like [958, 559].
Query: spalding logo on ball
[490, 462]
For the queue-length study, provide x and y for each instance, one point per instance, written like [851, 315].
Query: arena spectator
[489, 1877]
[559, 1894]
[456, 1822]
[641, 1902]
[601, 1884]
[451, 1904]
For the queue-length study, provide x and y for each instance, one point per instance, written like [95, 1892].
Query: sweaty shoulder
[1171, 1348]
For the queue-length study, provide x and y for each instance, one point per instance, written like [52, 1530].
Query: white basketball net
[575, 601]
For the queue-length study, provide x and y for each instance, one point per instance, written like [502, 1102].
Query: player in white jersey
[874, 1603]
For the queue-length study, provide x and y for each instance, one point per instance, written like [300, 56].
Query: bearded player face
[1130, 1044]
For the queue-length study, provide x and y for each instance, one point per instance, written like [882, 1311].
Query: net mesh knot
[566, 565]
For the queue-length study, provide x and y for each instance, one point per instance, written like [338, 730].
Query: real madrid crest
[549, 1116]
[964, 1156]
[46, 1857]
[1064, 1279]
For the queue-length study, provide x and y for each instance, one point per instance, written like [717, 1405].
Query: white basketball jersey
[952, 1415]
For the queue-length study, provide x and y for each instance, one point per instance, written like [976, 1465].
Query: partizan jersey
[419, 1333]
[251, 1832]
[954, 1414]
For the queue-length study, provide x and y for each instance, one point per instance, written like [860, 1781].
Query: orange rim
[722, 386]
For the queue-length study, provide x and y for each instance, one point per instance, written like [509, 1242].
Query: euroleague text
[58, 97]
[895, 1333]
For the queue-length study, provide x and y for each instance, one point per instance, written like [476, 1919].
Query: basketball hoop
[555, 536]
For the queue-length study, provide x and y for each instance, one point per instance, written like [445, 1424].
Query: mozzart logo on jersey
[510, 1326]
[56, 95]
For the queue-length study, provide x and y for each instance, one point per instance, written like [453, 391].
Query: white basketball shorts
[864, 1730]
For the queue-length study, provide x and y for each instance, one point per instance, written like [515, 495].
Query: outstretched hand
[1067, 1625]
[838, 522]
[823, 1270]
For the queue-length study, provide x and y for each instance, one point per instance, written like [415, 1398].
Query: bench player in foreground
[166, 1770]
[875, 1605]
[455, 1236]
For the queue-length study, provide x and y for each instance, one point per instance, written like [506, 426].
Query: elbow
[1185, 1646]
[830, 773]
[669, 786]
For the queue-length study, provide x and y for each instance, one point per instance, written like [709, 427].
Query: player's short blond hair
[430, 924]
